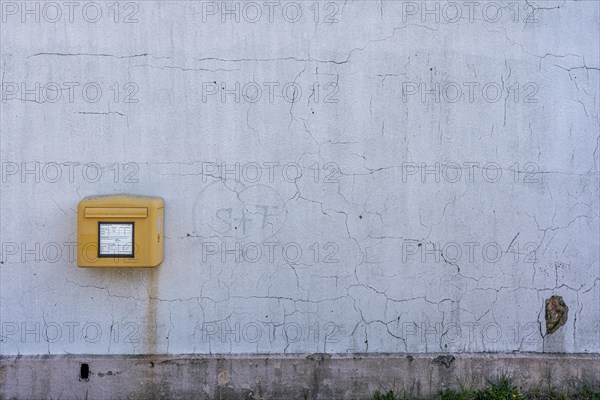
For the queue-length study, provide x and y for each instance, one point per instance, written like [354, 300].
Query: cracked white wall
[326, 188]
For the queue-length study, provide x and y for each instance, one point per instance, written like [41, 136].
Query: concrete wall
[319, 376]
[385, 179]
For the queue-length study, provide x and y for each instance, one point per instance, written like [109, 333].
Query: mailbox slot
[116, 212]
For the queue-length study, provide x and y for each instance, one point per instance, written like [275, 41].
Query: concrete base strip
[316, 376]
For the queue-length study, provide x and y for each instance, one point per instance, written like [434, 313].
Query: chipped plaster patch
[557, 313]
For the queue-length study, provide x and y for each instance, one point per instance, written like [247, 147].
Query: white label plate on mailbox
[116, 239]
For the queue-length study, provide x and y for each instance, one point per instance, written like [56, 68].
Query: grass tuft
[387, 396]
[503, 389]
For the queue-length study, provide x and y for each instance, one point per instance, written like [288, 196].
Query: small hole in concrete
[84, 372]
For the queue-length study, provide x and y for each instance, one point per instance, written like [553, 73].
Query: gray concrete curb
[316, 376]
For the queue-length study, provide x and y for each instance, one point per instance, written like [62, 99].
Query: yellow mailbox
[120, 230]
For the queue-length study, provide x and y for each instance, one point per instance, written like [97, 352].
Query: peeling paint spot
[557, 313]
[223, 378]
[446, 361]
[318, 356]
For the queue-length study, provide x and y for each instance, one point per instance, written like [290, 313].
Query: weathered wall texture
[287, 377]
[344, 176]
